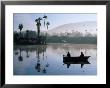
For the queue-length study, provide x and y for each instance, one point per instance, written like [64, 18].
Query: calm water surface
[48, 59]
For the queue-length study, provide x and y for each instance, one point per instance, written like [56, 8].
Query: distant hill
[75, 29]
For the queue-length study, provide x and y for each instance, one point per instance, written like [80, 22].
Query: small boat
[75, 59]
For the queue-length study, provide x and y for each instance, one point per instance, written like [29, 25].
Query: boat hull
[76, 59]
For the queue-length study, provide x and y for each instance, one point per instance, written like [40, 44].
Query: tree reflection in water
[38, 67]
[41, 67]
[20, 58]
[27, 54]
[16, 52]
[47, 59]
[40, 50]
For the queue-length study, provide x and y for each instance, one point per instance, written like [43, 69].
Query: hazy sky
[28, 19]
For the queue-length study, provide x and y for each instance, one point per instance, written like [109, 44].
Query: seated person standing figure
[68, 54]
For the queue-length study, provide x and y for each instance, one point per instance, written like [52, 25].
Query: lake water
[48, 59]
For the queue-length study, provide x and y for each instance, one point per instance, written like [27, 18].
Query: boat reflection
[69, 63]
[48, 60]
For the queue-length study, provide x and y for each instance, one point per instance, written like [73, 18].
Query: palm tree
[45, 17]
[38, 25]
[20, 27]
[47, 24]
[27, 35]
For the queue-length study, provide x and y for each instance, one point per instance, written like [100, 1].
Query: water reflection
[27, 51]
[48, 59]
[16, 52]
[82, 59]
[20, 58]
[69, 64]
[39, 66]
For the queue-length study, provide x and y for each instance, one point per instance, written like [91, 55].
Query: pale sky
[28, 19]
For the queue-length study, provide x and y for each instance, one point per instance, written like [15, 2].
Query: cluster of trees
[28, 37]
[76, 40]
[32, 35]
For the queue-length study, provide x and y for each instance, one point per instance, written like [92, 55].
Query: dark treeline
[76, 40]
[32, 35]
[28, 37]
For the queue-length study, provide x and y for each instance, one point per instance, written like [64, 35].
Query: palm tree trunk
[47, 26]
[20, 34]
[44, 22]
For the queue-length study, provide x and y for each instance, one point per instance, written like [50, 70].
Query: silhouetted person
[82, 55]
[68, 54]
